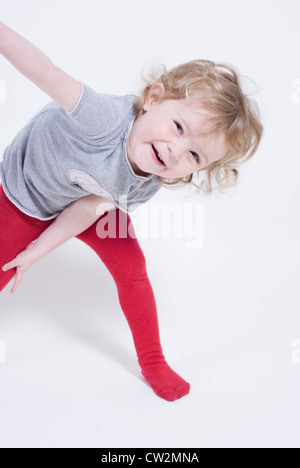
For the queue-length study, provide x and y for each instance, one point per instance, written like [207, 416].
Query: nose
[174, 151]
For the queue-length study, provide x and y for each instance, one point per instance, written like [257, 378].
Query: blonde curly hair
[218, 88]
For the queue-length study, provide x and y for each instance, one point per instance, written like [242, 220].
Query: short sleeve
[128, 204]
[96, 115]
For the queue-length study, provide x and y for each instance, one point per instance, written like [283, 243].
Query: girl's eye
[179, 127]
[196, 156]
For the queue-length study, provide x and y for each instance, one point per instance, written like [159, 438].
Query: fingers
[19, 275]
[9, 265]
[18, 281]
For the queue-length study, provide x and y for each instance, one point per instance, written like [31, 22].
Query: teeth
[157, 154]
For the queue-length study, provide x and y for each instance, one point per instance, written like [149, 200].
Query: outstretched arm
[38, 68]
[75, 219]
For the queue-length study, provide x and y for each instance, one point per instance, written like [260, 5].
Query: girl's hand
[22, 263]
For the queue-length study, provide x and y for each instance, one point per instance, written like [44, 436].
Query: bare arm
[76, 218]
[38, 68]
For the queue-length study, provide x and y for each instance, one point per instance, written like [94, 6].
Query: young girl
[87, 156]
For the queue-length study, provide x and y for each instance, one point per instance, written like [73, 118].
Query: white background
[228, 312]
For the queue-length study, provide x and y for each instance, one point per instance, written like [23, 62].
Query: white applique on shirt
[88, 183]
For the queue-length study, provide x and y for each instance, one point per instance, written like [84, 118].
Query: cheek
[159, 129]
[149, 131]
[180, 171]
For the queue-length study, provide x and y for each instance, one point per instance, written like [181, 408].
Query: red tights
[125, 260]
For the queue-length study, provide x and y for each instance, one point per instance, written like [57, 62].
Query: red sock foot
[165, 382]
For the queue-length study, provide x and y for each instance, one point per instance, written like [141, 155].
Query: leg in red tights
[125, 260]
[17, 230]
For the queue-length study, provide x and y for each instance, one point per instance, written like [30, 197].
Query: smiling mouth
[157, 155]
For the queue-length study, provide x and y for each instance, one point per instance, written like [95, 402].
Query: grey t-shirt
[59, 157]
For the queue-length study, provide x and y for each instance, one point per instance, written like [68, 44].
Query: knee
[132, 262]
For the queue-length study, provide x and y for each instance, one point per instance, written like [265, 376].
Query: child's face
[178, 131]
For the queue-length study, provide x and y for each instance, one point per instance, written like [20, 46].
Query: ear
[154, 94]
